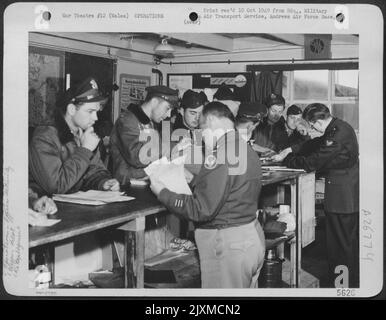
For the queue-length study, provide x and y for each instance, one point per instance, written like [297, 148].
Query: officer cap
[204, 98]
[294, 110]
[275, 99]
[191, 100]
[86, 91]
[224, 93]
[164, 93]
[252, 111]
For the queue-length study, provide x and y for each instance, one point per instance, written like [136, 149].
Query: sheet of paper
[39, 219]
[171, 174]
[92, 197]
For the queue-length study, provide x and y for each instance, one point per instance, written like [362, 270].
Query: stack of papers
[171, 174]
[92, 197]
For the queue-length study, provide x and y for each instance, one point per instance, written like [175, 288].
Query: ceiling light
[164, 49]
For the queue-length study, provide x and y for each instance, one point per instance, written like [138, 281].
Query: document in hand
[92, 197]
[171, 174]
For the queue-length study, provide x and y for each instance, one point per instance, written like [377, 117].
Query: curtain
[264, 83]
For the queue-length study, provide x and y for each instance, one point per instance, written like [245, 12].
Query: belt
[224, 226]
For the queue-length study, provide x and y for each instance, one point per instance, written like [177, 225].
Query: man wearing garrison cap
[64, 158]
[127, 147]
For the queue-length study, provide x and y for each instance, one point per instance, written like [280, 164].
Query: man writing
[335, 156]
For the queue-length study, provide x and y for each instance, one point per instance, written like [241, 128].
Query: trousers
[231, 257]
[342, 239]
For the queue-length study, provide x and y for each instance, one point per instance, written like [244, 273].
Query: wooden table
[80, 219]
[130, 217]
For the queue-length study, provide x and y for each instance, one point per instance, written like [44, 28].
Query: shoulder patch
[210, 162]
[329, 143]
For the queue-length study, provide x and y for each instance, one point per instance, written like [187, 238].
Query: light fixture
[164, 49]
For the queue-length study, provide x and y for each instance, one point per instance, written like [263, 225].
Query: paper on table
[171, 174]
[39, 219]
[92, 197]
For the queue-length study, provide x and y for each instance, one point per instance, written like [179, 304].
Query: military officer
[132, 129]
[271, 131]
[64, 157]
[190, 110]
[185, 127]
[336, 158]
[248, 118]
[223, 206]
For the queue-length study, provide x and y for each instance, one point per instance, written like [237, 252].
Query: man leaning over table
[335, 155]
[64, 158]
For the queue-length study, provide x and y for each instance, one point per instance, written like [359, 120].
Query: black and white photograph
[230, 150]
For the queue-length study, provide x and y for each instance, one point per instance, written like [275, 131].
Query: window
[345, 83]
[337, 89]
[311, 84]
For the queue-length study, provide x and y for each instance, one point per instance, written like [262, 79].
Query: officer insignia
[210, 161]
[93, 84]
[329, 143]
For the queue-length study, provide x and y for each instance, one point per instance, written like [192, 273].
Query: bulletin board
[45, 82]
[132, 89]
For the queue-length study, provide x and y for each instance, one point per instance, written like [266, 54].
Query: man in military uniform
[186, 139]
[127, 147]
[190, 110]
[223, 205]
[335, 158]
[271, 132]
[297, 139]
[248, 118]
[64, 158]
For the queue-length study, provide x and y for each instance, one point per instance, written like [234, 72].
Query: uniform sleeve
[128, 133]
[96, 174]
[297, 145]
[46, 167]
[210, 193]
[328, 150]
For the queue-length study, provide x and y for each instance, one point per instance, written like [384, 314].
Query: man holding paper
[64, 158]
[223, 204]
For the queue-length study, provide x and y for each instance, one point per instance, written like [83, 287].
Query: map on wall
[132, 90]
[181, 83]
[44, 81]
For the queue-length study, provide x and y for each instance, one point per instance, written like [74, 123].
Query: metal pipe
[292, 61]
[160, 75]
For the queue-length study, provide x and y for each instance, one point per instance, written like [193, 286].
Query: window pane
[346, 83]
[348, 112]
[285, 92]
[311, 84]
